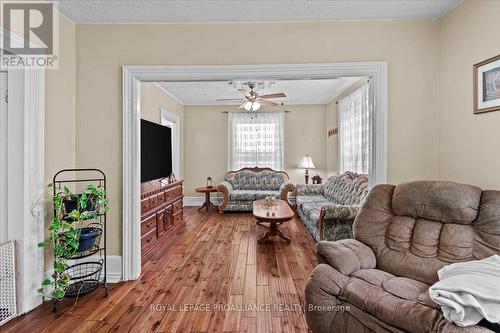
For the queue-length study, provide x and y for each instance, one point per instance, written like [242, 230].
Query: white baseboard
[198, 201]
[113, 271]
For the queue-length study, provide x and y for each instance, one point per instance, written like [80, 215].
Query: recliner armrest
[346, 255]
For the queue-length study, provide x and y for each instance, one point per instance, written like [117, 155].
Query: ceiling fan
[252, 101]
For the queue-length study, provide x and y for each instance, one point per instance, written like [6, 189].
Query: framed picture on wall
[487, 85]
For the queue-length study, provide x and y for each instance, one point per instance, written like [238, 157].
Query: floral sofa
[329, 210]
[241, 188]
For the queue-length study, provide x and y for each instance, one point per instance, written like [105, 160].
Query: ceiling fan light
[248, 106]
[255, 106]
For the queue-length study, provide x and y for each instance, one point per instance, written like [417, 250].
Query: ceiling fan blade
[244, 92]
[266, 102]
[229, 99]
[242, 105]
[277, 95]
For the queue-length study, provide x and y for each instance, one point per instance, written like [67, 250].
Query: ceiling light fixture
[248, 106]
[255, 106]
[251, 106]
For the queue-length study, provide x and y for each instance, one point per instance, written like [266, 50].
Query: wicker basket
[85, 278]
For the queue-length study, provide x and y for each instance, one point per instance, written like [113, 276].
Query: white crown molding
[239, 11]
[134, 74]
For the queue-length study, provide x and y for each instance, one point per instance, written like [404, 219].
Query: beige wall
[468, 144]
[60, 109]
[206, 142]
[409, 47]
[153, 98]
[305, 134]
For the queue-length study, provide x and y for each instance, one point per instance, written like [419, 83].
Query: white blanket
[470, 291]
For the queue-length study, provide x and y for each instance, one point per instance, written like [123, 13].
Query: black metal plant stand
[89, 274]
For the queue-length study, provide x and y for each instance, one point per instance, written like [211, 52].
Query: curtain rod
[286, 111]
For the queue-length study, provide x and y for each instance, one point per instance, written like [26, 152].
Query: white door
[3, 157]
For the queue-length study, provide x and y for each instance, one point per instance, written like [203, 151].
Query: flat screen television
[156, 151]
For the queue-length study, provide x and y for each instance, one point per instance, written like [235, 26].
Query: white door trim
[172, 120]
[25, 179]
[4, 228]
[25, 176]
[134, 74]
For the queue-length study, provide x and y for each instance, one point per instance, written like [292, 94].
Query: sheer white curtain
[256, 139]
[354, 131]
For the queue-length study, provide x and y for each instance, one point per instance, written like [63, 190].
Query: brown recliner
[378, 281]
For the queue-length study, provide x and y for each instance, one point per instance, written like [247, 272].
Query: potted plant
[68, 237]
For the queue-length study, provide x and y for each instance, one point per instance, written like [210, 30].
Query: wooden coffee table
[282, 213]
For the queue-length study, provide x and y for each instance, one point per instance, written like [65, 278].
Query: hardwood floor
[214, 260]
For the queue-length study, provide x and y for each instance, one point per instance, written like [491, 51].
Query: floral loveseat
[329, 210]
[241, 188]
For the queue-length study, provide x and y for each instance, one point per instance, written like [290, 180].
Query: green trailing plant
[64, 236]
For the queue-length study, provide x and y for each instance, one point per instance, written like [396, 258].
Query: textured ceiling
[297, 91]
[157, 11]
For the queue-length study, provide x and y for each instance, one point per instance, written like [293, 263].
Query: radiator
[8, 307]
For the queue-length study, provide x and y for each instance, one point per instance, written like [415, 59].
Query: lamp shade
[306, 163]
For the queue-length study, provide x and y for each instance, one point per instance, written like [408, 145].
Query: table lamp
[307, 163]
[210, 182]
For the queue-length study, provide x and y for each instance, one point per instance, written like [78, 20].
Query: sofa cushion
[308, 199]
[266, 180]
[250, 195]
[345, 190]
[399, 302]
[312, 209]
[405, 288]
[370, 303]
[373, 276]
[443, 202]
[386, 283]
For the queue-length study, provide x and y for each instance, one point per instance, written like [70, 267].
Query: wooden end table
[207, 190]
[282, 213]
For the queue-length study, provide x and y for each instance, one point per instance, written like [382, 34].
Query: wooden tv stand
[161, 209]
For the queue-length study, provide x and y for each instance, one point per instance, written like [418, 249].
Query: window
[354, 131]
[172, 121]
[256, 139]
